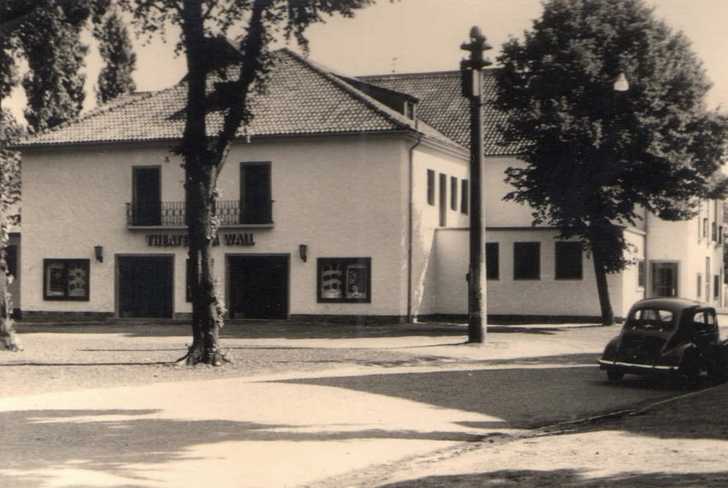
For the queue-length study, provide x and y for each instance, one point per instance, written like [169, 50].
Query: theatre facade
[314, 205]
[345, 197]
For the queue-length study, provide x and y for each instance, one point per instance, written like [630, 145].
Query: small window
[568, 261]
[453, 193]
[704, 320]
[492, 261]
[714, 232]
[526, 260]
[66, 279]
[650, 318]
[641, 282]
[700, 285]
[344, 280]
[705, 227]
[716, 287]
[464, 197]
[430, 187]
[443, 200]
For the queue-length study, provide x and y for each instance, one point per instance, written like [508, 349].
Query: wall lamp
[99, 253]
[303, 252]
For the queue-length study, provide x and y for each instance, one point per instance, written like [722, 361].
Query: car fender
[611, 349]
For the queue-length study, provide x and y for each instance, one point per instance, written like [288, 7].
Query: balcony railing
[173, 214]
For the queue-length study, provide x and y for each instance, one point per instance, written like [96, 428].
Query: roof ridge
[388, 113]
[356, 94]
[422, 74]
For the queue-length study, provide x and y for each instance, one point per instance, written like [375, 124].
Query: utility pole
[470, 70]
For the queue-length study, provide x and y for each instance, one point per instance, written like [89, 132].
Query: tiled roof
[443, 107]
[302, 98]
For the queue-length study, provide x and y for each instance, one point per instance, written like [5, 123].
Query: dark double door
[145, 286]
[258, 287]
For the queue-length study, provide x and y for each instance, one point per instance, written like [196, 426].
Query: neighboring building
[529, 271]
[344, 197]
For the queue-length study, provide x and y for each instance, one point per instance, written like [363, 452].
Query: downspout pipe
[410, 223]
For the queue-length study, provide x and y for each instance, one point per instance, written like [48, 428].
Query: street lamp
[621, 84]
[470, 71]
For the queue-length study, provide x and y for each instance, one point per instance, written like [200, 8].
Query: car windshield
[651, 319]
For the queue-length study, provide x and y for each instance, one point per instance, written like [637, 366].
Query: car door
[705, 329]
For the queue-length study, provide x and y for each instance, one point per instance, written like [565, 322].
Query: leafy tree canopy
[596, 155]
[46, 35]
[115, 48]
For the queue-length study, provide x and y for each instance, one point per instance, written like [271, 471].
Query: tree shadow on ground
[290, 329]
[523, 397]
[566, 478]
[121, 442]
[585, 359]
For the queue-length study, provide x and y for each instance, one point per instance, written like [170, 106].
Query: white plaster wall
[506, 296]
[343, 197]
[503, 213]
[425, 268]
[631, 291]
[685, 243]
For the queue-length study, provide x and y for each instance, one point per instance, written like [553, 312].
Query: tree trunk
[200, 179]
[207, 318]
[602, 287]
[204, 157]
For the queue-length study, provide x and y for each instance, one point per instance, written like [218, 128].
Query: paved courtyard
[105, 406]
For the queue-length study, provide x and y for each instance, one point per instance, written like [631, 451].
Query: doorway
[664, 279]
[146, 196]
[258, 286]
[146, 285]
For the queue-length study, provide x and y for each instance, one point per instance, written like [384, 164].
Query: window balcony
[173, 215]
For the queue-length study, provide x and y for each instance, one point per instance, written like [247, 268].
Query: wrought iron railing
[173, 214]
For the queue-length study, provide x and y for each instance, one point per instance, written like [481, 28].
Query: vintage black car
[666, 335]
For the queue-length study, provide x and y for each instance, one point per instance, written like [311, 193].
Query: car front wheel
[691, 367]
[614, 375]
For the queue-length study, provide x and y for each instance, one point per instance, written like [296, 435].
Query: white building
[344, 197]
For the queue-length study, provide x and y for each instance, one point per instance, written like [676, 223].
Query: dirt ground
[70, 357]
[680, 443]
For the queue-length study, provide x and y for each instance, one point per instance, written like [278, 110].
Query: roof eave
[246, 139]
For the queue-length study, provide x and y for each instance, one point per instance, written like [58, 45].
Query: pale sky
[425, 35]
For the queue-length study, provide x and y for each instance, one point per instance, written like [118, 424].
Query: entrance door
[258, 287]
[145, 286]
[664, 279]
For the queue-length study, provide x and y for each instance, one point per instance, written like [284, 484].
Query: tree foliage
[10, 131]
[203, 24]
[115, 77]
[597, 157]
[55, 57]
[46, 34]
